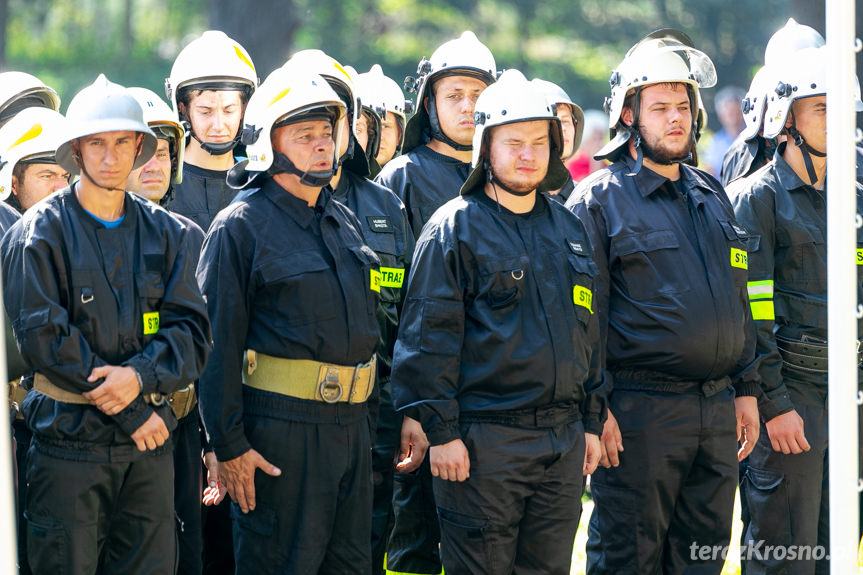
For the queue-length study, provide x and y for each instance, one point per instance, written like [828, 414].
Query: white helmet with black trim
[165, 124]
[755, 102]
[19, 90]
[803, 74]
[287, 96]
[663, 56]
[510, 100]
[103, 106]
[32, 136]
[385, 95]
[464, 56]
[211, 62]
[556, 95]
[373, 113]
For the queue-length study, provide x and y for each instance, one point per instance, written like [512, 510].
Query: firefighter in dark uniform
[434, 165]
[784, 206]
[106, 310]
[292, 292]
[210, 84]
[153, 181]
[752, 149]
[28, 173]
[678, 336]
[386, 230]
[498, 354]
[571, 118]
[385, 95]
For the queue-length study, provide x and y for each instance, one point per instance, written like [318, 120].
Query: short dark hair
[19, 170]
[185, 95]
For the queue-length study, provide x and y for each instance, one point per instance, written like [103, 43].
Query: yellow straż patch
[583, 297]
[151, 323]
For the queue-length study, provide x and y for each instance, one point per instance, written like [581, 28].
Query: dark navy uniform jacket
[385, 228]
[202, 194]
[745, 157]
[672, 297]
[15, 364]
[424, 180]
[788, 274]
[287, 280]
[498, 317]
[81, 296]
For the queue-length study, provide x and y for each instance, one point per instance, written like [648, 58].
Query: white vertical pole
[8, 524]
[841, 286]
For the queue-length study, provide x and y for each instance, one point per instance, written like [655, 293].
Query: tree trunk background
[265, 28]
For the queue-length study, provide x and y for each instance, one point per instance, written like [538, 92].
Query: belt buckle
[330, 387]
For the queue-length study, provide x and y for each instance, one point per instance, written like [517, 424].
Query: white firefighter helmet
[791, 38]
[165, 124]
[510, 100]
[385, 95]
[33, 135]
[211, 62]
[373, 112]
[104, 106]
[664, 56]
[464, 56]
[340, 78]
[286, 96]
[755, 102]
[19, 90]
[802, 75]
[557, 96]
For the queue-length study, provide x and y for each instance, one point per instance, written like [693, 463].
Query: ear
[76, 152]
[140, 144]
[15, 185]
[426, 103]
[626, 116]
[789, 117]
[181, 107]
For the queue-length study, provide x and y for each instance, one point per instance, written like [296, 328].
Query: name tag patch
[576, 247]
[381, 224]
[151, 323]
[392, 277]
[740, 259]
[581, 296]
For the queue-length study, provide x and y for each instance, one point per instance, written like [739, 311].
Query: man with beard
[678, 336]
[498, 354]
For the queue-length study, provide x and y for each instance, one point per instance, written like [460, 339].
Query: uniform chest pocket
[801, 254]
[372, 278]
[382, 243]
[739, 245]
[650, 264]
[296, 289]
[502, 283]
[579, 288]
[150, 287]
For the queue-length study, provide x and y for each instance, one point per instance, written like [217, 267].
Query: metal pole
[8, 530]
[841, 287]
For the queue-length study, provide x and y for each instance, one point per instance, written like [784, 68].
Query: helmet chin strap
[84, 172]
[314, 179]
[212, 149]
[495, 181]
[806, 150]
[437, 132]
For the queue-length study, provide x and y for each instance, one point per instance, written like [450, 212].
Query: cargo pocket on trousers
[46, 544]
[261, 521]
[466, 537]
[767, 496]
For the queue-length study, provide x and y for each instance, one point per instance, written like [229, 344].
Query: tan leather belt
[44, 386]
[16, 397]
[307, 379]
[183, 401]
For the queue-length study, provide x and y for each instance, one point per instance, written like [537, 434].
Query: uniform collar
[785, 175]
[297, 209]
[647, 181]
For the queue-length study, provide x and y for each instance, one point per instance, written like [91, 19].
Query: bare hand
[592, 453]
[414, 445]
[152, 434]
[450, 461]
[116, 392]
[239, 477]
[611, 442]
[748, 425]
[215, 490]
[786, 433]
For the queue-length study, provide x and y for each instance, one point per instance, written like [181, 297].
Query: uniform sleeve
[757, 217]
[178, 351]
[48, 341]
[223, 273]
[427, 358]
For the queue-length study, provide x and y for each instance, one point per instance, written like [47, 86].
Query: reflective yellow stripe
[392, 277]
[760, 290]
[375, 281]
[583, 297]
[151, 323]
[762, 309]
[859, 257]
[739, 259]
